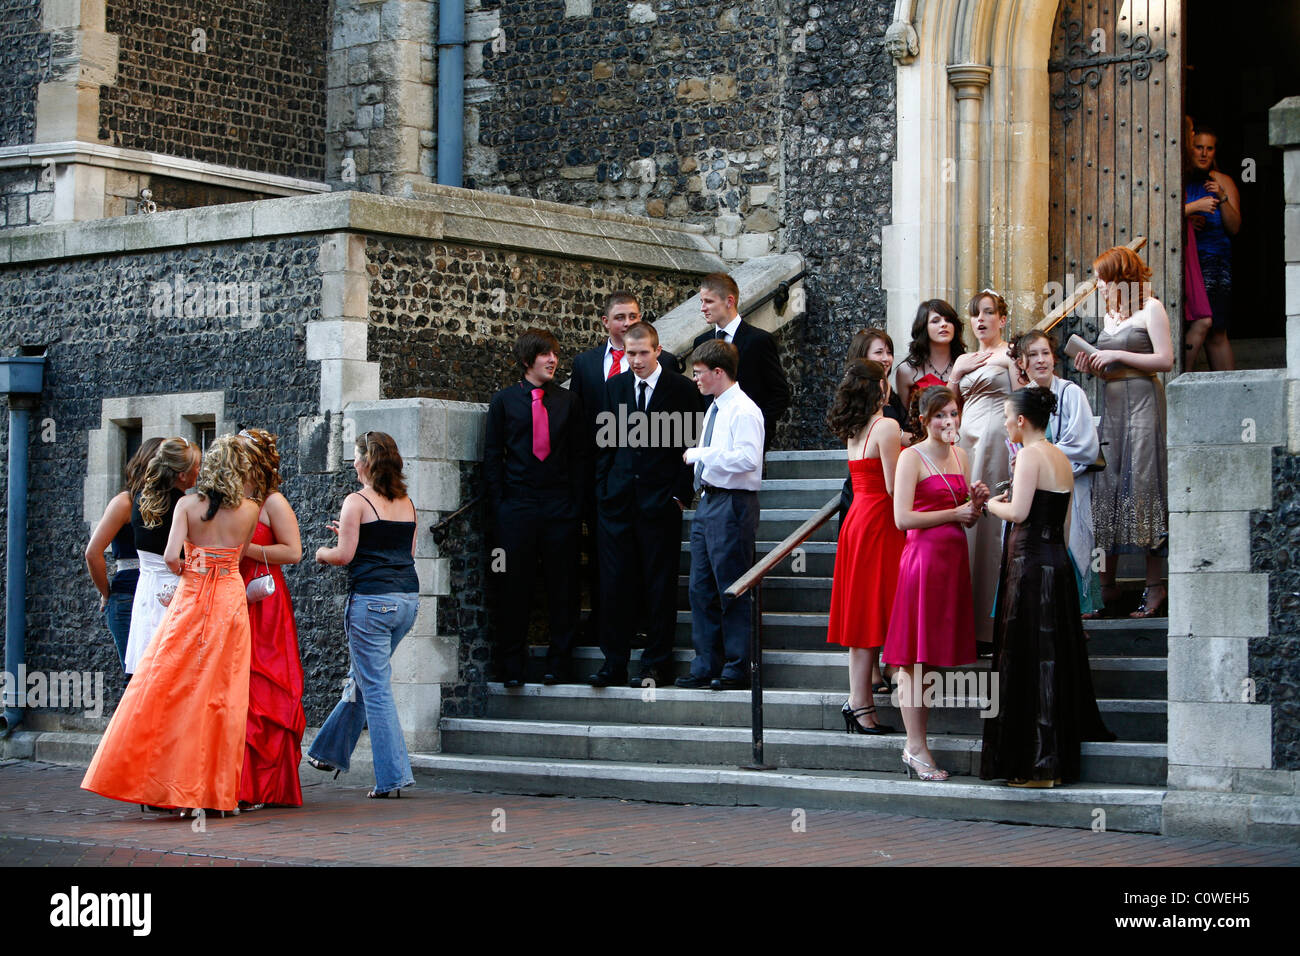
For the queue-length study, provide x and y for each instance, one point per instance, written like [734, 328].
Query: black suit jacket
[646, 479]
[511, 470]
[589, 380]
[760, 375]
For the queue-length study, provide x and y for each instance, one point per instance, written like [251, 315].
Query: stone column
[969, 81]
[83, 58]
[379, 80]
[1284, 133]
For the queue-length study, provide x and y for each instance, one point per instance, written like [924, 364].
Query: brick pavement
[46, 819]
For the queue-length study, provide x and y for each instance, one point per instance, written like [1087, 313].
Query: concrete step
[1132, 720]
[1117, 807]
[801, 593]
[828, 463]
[1140, 678]
[814, 558]
[776, 524]
[800, 492]
[1132, 762]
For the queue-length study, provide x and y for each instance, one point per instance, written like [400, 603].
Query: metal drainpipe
[451, 91]
[20, 378]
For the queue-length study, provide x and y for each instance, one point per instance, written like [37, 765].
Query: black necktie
[640, 400]
[722, 334]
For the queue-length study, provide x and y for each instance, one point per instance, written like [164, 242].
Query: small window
[207, 434]
[132, 438]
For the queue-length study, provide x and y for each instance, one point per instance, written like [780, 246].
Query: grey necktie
[708, 436]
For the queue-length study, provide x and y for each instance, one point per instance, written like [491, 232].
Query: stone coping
[451, 215]
[157, 164]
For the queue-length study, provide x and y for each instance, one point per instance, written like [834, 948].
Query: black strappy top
[383, 563]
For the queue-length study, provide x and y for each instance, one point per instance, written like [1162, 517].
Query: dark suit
[588, 384]
[640, 524]
[534, 506]
[760, 374]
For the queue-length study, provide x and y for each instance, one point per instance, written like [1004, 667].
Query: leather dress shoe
[691, 682]
[607, 678]
[551, 678]
[728, 683]
[657, 676]
[513, 682]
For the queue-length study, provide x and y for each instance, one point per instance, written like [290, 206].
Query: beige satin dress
[984, 437]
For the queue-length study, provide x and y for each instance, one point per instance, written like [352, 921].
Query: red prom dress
[866, 561]
[273, 746]
[934, 619]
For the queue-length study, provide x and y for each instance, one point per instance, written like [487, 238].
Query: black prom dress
[1046, 706]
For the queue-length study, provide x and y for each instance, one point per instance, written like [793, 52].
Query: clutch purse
[1099, 464]
[165, 595]
[262, 586]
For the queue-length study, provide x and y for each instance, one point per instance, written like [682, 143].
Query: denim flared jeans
[375, 624]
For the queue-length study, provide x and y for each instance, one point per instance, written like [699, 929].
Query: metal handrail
[753, 580]
[1069, 305]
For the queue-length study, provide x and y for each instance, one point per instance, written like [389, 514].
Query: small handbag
[262, 586]
[1099, 464]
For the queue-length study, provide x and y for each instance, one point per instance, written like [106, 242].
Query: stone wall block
[1220, 735]
[1201, 778]
[1227, 408]
[335, 339]
[1225, 605]
[1206, 816]
[1208, 668]
[1213, 541]
[1195, 473]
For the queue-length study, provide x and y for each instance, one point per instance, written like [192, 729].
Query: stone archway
[971, 184]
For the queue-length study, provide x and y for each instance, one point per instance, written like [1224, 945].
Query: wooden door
[1116, 146]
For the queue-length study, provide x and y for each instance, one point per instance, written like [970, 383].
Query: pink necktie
[616, 363]
[541, 427]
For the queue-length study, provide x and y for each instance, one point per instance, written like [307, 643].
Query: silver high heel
[911, 761]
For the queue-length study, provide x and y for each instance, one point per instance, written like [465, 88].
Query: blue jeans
[375, 625]
[117, 615]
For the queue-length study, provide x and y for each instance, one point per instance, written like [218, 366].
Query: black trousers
[639, 558]
[529, 531]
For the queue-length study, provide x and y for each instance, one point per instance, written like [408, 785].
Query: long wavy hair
[174, 457]
[221, 478]
[379, 452]
[263, 463]
[860, 395]
[139, 463]
[918, 350]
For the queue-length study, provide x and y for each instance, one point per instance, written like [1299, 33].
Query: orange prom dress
[273, 747]
[177, 737]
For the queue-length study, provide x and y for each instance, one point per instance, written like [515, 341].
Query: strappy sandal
[324, 767]
[1149, 608]
[384, 795]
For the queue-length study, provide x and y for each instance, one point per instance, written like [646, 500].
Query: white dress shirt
[729, 329]
[734, 456]
[609, 358]
[650, 384]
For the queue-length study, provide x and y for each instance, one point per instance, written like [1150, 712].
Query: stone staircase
[688, 746]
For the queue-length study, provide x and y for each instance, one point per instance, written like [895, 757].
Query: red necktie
[616, 365]
[541, 427]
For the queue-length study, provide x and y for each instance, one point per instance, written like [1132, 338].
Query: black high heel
[852, 726]
[376, 795]
[323, 766]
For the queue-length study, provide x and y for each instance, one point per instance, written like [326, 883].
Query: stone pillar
[969, 81]
[83, 58]
[1226, 432]
[434, 437]
[1284, 133]
[379, 80]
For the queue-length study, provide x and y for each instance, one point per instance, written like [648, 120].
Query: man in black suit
[642, 487]
[761, 375]
[534, 459]
[591, 370]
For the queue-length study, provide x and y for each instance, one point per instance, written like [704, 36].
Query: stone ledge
[443, 213]
[1226, 408]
